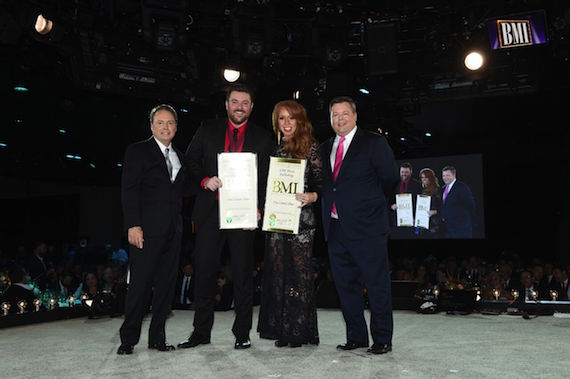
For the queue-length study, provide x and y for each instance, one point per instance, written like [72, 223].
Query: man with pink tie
[359, 175]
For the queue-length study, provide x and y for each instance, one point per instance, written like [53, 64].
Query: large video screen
[439, 198]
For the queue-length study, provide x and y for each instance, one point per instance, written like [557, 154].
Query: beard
[238, 117]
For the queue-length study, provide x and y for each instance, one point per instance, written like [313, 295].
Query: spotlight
[403, 139]
[364, 91]
[21, 89]
[428, 134]
[231, 75]
[2, 144]
[92, 165]
[474, 60]
[183, 110]
[43, 26]
[62, 131]
[296, 94]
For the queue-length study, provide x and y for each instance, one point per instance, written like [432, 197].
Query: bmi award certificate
[286, 178]
[423, 204]
[238, 193]
[404, 213]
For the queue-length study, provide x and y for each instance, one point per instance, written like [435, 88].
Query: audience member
[37, 266]
[184, 295]
[18, 291]
[224, 293]
[561, 282]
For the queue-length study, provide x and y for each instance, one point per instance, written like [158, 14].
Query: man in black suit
[37, 266]
[233, 134]
[18, 291]
[152, 191]
[458, 207]
[359, 178]
[184, 295]
[407, 185]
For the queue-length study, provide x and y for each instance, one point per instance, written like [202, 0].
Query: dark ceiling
[91, 84]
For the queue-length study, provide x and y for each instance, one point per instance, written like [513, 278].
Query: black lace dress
[288, 311]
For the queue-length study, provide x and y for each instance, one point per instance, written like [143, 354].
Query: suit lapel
[327, 157]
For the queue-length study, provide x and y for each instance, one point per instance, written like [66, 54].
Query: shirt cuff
[203, 182]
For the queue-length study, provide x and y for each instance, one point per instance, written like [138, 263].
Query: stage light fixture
[428, 134]
[474, 60]
[3, 144]
[43, 25]
[21, 89]
[119, 165]
[231, 75]
[62, 131]
[92, 165]
[183, 110]
[296, 94]
[403, 139]
[364, 91]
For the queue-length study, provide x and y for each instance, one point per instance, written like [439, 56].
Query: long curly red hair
[300, 145]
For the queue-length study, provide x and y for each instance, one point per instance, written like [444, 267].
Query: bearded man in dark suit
[231, 134]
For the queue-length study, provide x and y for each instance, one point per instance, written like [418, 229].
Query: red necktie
[337, 163]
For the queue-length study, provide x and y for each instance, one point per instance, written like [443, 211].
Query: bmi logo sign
[514, 33]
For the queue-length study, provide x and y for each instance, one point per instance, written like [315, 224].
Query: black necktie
[235, 136]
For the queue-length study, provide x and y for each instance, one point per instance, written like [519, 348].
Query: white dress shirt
[176, 165]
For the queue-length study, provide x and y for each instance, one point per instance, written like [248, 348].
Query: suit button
[334, 189]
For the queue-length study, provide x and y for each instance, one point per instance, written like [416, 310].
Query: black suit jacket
[14, 294]
[202, 161]
[150, 200]
[457, 211]
[367, 179]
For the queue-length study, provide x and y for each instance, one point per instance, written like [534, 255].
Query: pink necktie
[445, 193]
[337, 163]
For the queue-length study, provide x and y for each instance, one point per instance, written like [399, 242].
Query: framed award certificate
[404, 213]
[422, 211]
[238, 193]
[286, 178]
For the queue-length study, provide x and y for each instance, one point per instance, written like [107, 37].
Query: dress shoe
[161, 346]
[350, 345]
[125, 350]
[281, 343]
[242, 344]
[194, 340]
[377, 348]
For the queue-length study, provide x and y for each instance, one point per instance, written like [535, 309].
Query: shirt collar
[347, 138]
[161, 145]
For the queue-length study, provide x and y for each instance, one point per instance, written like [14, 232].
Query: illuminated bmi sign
[513, 33]
[517, 30]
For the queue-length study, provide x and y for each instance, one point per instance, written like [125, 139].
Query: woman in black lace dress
[288, 312]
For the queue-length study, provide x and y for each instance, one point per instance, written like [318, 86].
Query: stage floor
[425, 346]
